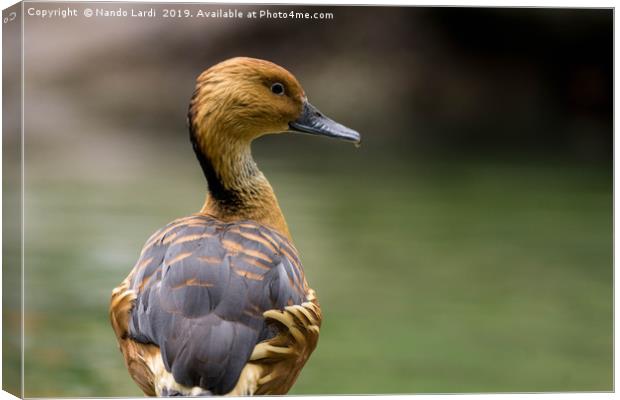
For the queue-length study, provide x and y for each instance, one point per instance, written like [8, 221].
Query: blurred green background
[465, 247]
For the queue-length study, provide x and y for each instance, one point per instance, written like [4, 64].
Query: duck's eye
[277, 88]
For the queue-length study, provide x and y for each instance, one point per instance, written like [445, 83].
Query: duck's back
[202, 287]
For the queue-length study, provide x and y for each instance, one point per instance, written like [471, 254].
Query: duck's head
[241, 99]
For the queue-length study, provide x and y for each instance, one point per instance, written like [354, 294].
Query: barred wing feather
[202, 287]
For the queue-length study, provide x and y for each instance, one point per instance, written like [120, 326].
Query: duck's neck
[237, 189]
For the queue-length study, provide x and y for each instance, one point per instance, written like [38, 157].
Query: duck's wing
[201, 288]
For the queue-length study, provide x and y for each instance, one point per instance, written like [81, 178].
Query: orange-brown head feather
[235, 102]
[235, 98]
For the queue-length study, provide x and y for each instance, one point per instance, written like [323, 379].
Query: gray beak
[314, 122]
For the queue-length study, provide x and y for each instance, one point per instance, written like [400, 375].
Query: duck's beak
[314, 122]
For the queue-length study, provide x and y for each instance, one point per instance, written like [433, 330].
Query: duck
[218, 302]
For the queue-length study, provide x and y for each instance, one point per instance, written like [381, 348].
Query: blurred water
[449, 277]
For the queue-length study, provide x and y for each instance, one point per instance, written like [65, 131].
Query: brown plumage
[218, 302]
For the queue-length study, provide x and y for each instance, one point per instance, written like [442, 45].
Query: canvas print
[249, 199]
